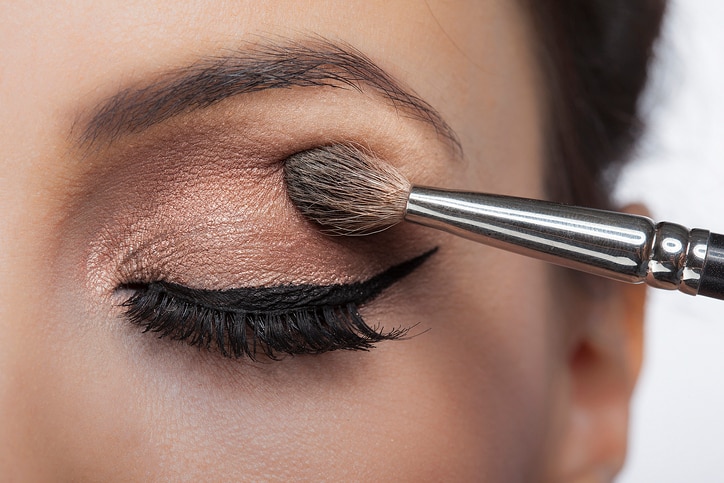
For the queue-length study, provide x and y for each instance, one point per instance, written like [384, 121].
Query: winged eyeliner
[276, 320]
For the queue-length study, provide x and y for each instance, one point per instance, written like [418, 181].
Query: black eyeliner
[283, 319]
[289, 297]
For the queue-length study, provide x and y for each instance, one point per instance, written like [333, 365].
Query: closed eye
[278, 320]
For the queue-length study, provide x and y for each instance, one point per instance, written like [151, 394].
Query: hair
[594, 57]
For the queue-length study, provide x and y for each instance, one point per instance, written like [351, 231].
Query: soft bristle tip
[346, 189]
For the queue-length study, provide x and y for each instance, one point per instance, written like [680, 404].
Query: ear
[604, 358]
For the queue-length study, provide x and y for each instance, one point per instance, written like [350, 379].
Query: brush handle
[620, 246]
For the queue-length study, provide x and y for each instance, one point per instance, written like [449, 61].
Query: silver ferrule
[620, 246]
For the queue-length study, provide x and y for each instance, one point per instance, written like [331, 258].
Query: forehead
[65, 56]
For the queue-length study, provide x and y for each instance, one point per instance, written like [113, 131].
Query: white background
[677, 432]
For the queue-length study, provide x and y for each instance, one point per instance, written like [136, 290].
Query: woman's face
[144, 142]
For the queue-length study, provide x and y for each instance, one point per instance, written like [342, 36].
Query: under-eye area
[273, 321]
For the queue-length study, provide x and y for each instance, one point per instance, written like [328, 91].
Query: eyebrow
[269, 65]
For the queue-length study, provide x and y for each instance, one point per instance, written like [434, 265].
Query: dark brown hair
[595, 57]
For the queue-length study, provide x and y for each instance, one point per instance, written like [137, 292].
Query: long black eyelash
[308, 326]
[238, 333]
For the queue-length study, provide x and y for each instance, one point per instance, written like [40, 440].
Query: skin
[516, 373]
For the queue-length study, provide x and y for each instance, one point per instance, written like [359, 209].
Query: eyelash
[238, 333]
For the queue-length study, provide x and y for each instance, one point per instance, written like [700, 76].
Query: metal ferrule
[620, 246]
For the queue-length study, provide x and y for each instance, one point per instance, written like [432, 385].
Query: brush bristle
[346, 189]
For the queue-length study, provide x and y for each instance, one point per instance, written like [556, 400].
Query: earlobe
[603, 363]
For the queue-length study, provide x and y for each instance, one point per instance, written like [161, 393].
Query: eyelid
[237, 322]
[282, 298]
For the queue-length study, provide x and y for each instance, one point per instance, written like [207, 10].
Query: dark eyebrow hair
[313, 62]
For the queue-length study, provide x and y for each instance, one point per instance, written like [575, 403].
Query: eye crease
[277, 320]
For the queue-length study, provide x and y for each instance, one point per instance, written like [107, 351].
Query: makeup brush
[347, 191]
